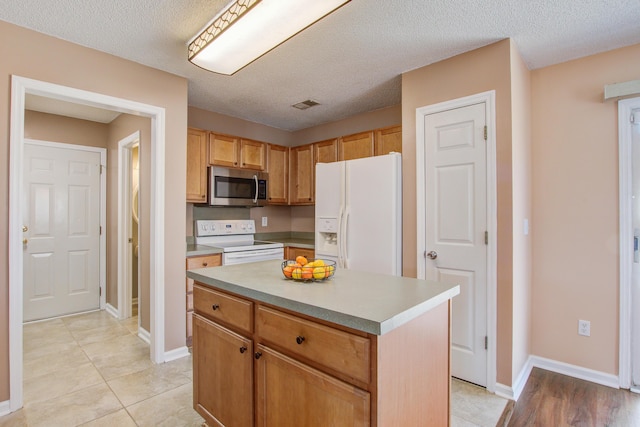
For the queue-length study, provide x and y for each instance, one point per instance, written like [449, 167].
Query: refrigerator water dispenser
[327, 238]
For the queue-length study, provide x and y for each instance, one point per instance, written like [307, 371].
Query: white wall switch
[264, 221]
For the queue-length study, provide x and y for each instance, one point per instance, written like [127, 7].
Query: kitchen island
[357, 349]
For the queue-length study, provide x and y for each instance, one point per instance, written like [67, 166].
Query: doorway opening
[629, 182]
[21, 86]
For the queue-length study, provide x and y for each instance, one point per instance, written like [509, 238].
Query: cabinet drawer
[333, 348]
[204, 261]
[222, 307]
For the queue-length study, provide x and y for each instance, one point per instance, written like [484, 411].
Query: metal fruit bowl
[314, 271]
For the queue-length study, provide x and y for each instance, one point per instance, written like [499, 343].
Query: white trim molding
[625, 180]
[5, 408]
[20, 86]
[489, 99]
[145, 336]
[574, 371]
[112, 311]
[177, 353]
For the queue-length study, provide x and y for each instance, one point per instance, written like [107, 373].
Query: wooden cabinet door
[224, 150]
[222, 375]
[252, 154]
[197, 262]
[278, 168]
[196, 166]
[388, 140]
[290, 393]
[356, 146]
[293, 252]
[301, 191]
[325, 151]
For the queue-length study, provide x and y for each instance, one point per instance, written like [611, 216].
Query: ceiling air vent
[305, 104]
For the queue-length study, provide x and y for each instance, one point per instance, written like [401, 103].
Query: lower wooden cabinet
[290, 393]
[223, 386]
[292, 252]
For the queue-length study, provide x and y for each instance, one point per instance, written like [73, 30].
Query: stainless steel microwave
[237, 187]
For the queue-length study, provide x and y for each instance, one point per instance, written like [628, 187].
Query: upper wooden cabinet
[356, 146]
[224, 150]
[388, 140]
[253, 154]
[196, 165]
[325, 151]
[233, 152]
[301, 191]
[278, 168]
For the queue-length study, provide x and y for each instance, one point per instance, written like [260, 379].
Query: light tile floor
[93, 370]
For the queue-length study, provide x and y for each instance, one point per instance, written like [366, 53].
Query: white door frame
[103, 206]
[20, 86]
[124, 224]
[492, 210]
[625, 107]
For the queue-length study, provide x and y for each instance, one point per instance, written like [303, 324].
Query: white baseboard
[5, 408]
[574, 371]
[177, 353]
[504, 391]
[144, 335]
[513, 392]
[112, 311]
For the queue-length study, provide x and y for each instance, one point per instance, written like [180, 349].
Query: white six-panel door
[456, 222]
[61, 231]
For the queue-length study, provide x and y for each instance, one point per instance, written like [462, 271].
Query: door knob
[25, 228]
[432, 255]
[25, 241]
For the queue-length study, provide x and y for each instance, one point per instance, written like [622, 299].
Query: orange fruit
[328, 270]
[296, 273]
[307, 272]
[301, 260]
[288, 270]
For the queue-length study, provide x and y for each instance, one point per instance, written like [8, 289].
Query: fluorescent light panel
[247, 29]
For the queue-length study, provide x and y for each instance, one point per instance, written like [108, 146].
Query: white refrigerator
[358, 219]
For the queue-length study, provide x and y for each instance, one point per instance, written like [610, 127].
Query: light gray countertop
[368, 302]
[200, 250]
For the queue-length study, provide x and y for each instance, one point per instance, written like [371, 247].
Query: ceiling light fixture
[305, 104]
[247, 29]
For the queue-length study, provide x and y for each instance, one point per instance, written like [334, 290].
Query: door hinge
[485, 132]
[101, 167]
[101, 230]
[486, 342]
[100, 291]
[486, 237]
[632, 119]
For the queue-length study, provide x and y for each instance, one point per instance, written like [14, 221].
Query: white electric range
[236, 239]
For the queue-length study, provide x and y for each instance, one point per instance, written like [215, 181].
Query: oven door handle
[255, 199]
[252, 254]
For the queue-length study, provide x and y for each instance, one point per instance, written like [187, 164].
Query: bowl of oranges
[304, 270]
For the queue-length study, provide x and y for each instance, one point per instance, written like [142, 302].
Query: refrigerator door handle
[340, 238]
[345, 228]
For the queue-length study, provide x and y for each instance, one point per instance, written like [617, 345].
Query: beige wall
[481, 70]
[54, 128]
[33, 55]
[521, 152]
[120, 128]
[575, 208]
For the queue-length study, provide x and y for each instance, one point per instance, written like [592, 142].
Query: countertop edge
[342, 319]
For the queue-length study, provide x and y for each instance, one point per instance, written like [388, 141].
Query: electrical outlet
[584, 328]
[264, 221]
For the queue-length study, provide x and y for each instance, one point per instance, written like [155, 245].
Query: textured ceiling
[350, 62]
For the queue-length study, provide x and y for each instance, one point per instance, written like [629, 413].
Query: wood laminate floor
[554, 400]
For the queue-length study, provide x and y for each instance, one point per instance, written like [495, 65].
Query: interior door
[61, 205]
[635, 287]
[456, 222]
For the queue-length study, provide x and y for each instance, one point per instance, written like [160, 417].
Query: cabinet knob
[215, 307]
[299, 339]
[204, 264]
[258, 355]
[243, 349]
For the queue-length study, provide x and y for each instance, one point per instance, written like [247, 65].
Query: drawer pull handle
[299, 339]
[204, 264]
[258, 355]
[243, 349]
[215, 307]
